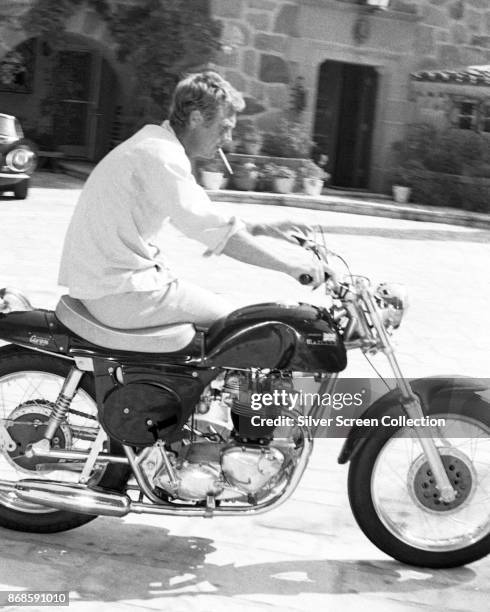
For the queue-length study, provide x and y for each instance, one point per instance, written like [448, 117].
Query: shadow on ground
[112, 561]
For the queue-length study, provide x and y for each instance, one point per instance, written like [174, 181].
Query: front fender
[427, 390]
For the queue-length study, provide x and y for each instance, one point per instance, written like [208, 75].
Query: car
[17, 158]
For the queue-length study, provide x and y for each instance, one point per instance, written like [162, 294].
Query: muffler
[71, 497]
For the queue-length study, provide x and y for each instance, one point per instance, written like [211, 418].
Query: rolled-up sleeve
[169, 184]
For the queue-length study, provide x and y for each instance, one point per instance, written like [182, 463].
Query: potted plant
[402, 180]
[249, 137]
[313, 177]
[245, 176]
[283, 178]
[400, 187]
[212, 172]
[290, 139]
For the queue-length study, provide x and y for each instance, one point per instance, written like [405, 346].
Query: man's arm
[283, 230]
[244, 247]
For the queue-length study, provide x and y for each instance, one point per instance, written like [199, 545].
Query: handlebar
[307, 279]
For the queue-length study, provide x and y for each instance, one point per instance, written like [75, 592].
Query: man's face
[208, 137]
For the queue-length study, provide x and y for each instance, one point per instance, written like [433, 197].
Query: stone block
[481, 41]
[250, 62]
[474, 21]
[91, 22]
[237, 79]
[263, 5]
[252, 106]
[456, 10]
[270, 42]
[425, 40]
[427, 63]
[259, 21]
[278, 96]
[229, 59]
[436, 17]
[479, 4]
[439, 2]
[401, 6]
[273, 69]
[287, 20]
[235, 34]
[459, 34]
[449, 56]
[257, 90]
[474, 56]
[227, 8]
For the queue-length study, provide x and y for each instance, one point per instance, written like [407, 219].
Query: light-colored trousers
[179, 302]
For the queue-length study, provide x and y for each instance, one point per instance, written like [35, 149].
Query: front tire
[21, 189]
[20, 373]
[393, 497]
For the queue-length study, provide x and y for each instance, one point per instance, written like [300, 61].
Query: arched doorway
[344, 120]
[67, 94]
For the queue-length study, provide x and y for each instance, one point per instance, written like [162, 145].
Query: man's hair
[206, 92]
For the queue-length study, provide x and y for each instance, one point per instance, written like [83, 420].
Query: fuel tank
[297, 337]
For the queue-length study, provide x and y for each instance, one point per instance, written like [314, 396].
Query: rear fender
[429, 392]
[36, 329]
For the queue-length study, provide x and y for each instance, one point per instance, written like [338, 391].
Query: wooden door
[344, 121]
[72, 124]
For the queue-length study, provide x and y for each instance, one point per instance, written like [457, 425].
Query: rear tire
[386, 519]
[21, 189]
[114, 477]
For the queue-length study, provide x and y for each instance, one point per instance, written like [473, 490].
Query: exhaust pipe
[71, 497]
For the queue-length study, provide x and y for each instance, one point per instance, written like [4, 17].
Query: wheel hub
[27, 424]
[459, 472]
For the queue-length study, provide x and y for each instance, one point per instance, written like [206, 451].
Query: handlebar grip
[306, 279]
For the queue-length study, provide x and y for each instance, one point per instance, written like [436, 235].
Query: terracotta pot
[283, 185]
[211, 180]
[312, 186]
[245, 183]
[401, 194]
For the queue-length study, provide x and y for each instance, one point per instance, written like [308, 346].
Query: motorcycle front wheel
[29, 385]
[395, 502]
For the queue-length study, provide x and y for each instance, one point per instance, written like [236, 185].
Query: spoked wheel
[395, 501]
[29, 386]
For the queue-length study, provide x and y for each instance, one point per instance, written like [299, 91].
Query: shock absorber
[63, 402]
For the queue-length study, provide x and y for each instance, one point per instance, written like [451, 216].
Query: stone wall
[451, 33]
[257, 38]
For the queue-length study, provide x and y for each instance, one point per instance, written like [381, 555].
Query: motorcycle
[102, 422]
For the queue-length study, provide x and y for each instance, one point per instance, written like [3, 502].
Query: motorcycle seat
[165, 339]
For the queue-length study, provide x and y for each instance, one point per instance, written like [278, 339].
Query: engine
[227, 455]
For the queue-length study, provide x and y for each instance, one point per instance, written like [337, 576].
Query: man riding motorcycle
[111, 260]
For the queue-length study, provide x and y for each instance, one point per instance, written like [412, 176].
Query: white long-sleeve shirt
[131, 194]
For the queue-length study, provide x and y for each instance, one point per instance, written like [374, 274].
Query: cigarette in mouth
[225, 161]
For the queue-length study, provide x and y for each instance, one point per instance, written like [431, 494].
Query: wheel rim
[40, 390]
[400, 481]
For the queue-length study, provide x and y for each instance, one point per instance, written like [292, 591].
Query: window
[485, 117]
[467, 115]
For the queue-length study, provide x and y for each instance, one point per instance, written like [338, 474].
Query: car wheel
[21, 189]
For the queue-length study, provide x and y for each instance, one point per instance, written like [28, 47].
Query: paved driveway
[308, 554]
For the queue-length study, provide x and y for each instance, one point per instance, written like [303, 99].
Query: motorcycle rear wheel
[393, 497]
[35, 379]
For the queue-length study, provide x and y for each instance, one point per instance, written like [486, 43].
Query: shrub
[310, 170]
[289, 140]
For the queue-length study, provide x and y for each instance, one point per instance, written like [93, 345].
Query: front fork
[411, 405]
